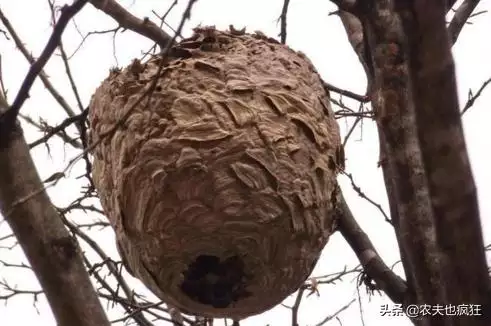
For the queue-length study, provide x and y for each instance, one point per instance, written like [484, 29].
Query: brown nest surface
[220, 179]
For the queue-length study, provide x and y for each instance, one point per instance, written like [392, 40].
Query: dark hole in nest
[213, 282]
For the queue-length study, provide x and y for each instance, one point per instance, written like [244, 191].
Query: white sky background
[311, 31]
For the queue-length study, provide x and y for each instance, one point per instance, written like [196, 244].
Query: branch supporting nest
[126, 20]
[375, 268]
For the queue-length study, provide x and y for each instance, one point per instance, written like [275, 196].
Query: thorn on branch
[472, 98]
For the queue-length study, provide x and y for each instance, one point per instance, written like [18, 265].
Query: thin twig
[85, 37]
[67, 139]
[328, 318]
[65, 60]
[110, 265]
[473, 98]
[162, 18]
[127, 304]
[282, 19]
[42, 75]
[56, 130]
[344, 92]
[296, 306]
[51, 251]
[7, 119]
[362, 195]
[352, 128]
[146, 94]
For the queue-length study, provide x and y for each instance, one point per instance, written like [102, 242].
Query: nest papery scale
[220, 186]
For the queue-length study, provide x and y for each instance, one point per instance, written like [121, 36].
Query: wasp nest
[219, 179]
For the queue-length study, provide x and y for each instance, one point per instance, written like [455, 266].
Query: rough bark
[430, 186]
[454, 207]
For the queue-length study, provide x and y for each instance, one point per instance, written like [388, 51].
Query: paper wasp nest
[220, 185]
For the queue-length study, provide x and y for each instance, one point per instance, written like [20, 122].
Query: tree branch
[472, 98]
[284, 12]
[125, 19]
[454, 211]
[52, 253]
[137, 316]
[431, 191]
[355, 32]
[460, 17]
[332, 316]
[42, 75]
[9, 117]
[375, 268]
[345, 92]
[57, 130]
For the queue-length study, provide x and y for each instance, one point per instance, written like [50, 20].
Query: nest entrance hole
[210, 281]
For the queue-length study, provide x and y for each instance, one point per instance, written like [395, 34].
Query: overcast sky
[310, 30]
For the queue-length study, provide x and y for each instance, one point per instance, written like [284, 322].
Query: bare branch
[282, 20]
[296, 306]
[162, 19]
[114, 31]
[52, 253]
[125, 19]
[138, 317]
[8, 118]
[375, 268]
[12, 291]
[364, 196]
[472, 98]
[347, 93]
[350, 131]
[460, 17]
[145, 95]
[44, 128]
[50, 132]
[42, 75]
[65, 60]
[330, 317]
